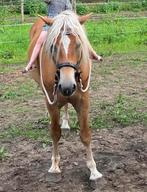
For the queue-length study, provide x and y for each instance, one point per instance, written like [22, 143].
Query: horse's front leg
[85, 134]
[55, 134]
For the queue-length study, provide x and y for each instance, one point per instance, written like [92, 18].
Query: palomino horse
[63, 72]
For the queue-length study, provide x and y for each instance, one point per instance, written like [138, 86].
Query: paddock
[120, 152]
[118, 119]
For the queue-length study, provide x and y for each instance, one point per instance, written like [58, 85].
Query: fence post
[74, 5]
[22, 11]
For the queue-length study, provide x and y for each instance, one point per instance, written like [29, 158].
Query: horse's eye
[67, 33]
[78, 45]
[53, 49]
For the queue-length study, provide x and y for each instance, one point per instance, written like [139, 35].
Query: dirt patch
[120, 153]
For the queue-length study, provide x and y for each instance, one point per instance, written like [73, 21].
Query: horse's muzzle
[67, 90]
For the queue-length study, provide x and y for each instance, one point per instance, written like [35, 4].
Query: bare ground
[120, 153]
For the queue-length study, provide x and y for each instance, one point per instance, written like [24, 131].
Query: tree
[74, 5]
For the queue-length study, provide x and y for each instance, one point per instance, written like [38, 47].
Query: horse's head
[67, 45]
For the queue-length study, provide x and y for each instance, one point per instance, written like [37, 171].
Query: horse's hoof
[96, 175]
[65, 133]
[65, 124]
[54, 170]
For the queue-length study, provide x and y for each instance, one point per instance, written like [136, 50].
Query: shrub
[111, 7]
[82, 9]
[34, 7]
[4, 13]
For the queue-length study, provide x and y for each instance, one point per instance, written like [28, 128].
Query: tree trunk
[22, 11]
[74, 5]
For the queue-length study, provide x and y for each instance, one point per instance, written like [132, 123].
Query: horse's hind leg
[85, 134]
[65, 126]
[55, 134]
[65, 118]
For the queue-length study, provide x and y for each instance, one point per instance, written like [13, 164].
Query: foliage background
[32, 7]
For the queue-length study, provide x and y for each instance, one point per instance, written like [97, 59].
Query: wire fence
[13, 22]
[22, 6]
[19, 28]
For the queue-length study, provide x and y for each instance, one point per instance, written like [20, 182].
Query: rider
[54, 8]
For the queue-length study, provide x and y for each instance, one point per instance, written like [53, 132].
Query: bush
[109, 7]
[82, 9]
[34, 7]
[144, 3]
[4, 13]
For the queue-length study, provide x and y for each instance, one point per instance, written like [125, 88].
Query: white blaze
[66, 42]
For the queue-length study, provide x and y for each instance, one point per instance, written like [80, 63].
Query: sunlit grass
[121, 112]
[18, 91]
[3, 153]
[28, 130]
[14, 42]
[118, 36]
[107, 36]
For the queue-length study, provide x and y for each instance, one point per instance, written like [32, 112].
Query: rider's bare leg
[36, 50]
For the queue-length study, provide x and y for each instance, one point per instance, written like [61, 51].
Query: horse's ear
[84, 18]
[47, 20]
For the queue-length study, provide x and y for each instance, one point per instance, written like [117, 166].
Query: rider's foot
[96, 57]
[28, 69]
[24, 71]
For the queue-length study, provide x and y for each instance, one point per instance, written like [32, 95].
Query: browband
[67, 64]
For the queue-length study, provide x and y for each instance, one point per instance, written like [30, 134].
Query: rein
[88, 83]
[41, 76]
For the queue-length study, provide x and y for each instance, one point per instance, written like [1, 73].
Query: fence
[13, 32]
[35, 6]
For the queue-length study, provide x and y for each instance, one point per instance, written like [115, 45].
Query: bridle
[67, 64]
[59, 66]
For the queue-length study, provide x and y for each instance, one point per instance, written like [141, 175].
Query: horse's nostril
[67, 90]
[74, 87]
[59, 86]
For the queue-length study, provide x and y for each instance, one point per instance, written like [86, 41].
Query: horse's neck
[47, 67]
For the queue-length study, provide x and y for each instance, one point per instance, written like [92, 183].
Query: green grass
[14, 42]
[118, 36]
[120, 113]
[3, 153]
[32, 130]
[18, 91]
[106, 36]
[7, 68]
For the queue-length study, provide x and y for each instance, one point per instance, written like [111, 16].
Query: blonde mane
[67, 21]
